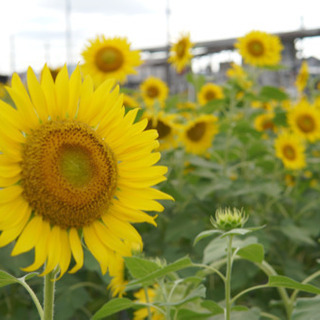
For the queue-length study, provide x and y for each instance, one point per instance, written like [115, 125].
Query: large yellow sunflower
[290, 149]
[304, 119]
[110, 58]
[209, 92]
[154, 89]
[260, 48]
[302, 77]
[166, 127]
[180, 52]
[197, 134]
[74, 166]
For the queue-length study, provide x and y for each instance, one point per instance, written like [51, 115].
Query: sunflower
[290, 149]
[237, 73]
[110, 58]
[264, 122]
[72, 166]
[197, 134]
[260, 48]
[166, 127]
[180, 53]
[142, 313]
[304, 119]
[154, 89]
[209, 92]
[302, 77]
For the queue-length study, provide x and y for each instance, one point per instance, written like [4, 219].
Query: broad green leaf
[205, 234]
[6, 279]
[282, 281]
[270, 93]
[212, 306]
[112, 307]
[253, 252]
[187, 314]
[307, 308]
[140, 267]
[175, 266]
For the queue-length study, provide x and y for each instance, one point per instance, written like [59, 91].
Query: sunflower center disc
[210, 95]
[289, 152]
[256, 48]
[181, 48]
[152, 92]
[109, 59]
[306, 123]
[197, 131]
[69, 174]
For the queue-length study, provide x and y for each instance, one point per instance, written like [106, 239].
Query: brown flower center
[196, 132]
[69, 174]
[256, 48]
[289, 152]
[109, 59]
[210, 95]
[181, 48]
[306, 123]
[152, 92]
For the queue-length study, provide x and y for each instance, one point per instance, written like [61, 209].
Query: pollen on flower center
[256, 48]
[152, 92]
[289, 152]
[306, 123]
[109, 59]
[69, 174]
[210, 95]
[197, 131]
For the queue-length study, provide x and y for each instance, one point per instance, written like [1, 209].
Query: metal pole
[168, 42]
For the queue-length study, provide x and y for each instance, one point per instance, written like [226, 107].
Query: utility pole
[168, 42]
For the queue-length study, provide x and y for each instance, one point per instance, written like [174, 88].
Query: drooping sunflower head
[166, 128]
[74, 165]
[304, 119]
[302, 77]
[264, 122]
[291, 150]
[180, 52]
[109, 58]
[154, 89]
[260, 48]
[197, 134]
[209, 92]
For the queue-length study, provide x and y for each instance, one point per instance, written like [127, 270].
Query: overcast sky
[33, 32]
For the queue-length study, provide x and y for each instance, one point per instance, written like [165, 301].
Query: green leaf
[253, 252]
[270, 93]
[307, 308]
[212, 306]
[6, 279]
[139, 267]
[112, 307]
[205, 234]
[175, 266]
[282, 281]
[187, 314]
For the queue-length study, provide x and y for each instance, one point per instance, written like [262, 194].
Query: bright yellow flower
[236, 72]
[304, 119]
[154, 89]
[290, 149]
[290, 180]
[180, 53]
[260, 49]
[265, 105]
[187, 105]
[74, 165]
[197, 134]
[130, 102]
[110, 58]
[264, 122]
[142, 313]
[302, 77]
[118, 282]
[166, 128]
[209, 92]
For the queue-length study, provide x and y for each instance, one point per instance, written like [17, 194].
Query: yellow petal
[147, 161]
[7, 182]
[76, 249]
[29, 236]
[74, 94]
[62, 92]
[14, 213]
[47, 85]
[10, 193]
[10, 115]
[65, 253]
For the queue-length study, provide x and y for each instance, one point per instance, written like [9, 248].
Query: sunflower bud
[227, 219]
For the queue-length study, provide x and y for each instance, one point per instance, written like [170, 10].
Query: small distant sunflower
[265, 105]
[142, 313]
[197, 134]
[264, 122]
[130, 102]
[166, 128]
[154, 89]
[291, 150]
[304, 119]
[260, 48]
[110, 58]
[74, 166]
[302, 77]
[180, 53]
[209, 92]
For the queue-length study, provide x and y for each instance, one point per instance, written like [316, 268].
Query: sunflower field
[120, 203]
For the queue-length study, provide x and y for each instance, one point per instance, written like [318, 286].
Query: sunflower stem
[148, 303]
[228, 279]
[49, 287]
